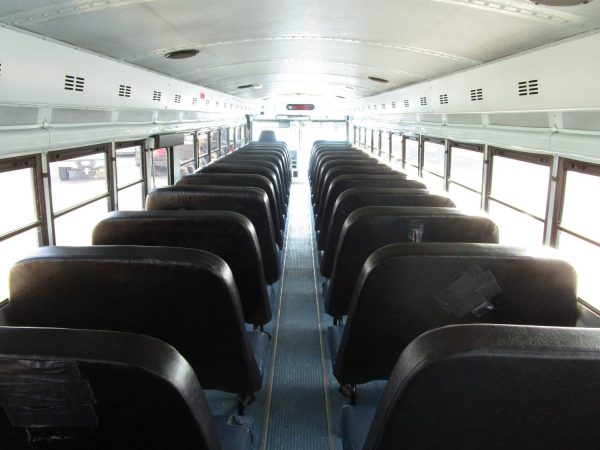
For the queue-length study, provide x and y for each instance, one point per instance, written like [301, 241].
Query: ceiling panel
[278, 43]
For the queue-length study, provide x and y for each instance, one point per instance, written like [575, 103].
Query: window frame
[532, 158]
[30, 162]
[61, 155]
[423, 170]
[143, 180]
[569, 165]
[478, 148]
[419, 152]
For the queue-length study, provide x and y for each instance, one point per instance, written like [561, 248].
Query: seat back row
[399, 271]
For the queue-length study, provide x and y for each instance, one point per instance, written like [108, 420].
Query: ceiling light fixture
[182, 54]
[258, 86]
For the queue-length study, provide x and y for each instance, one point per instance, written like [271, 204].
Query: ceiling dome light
[182, 54]
[560, 2]
[379, 80]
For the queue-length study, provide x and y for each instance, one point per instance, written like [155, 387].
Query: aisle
[297, 410]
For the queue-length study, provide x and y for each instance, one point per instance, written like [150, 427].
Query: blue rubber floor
[297, 407]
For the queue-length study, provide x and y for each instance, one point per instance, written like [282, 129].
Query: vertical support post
[111, 179]
[487, 177]
[209, 144]
[448, 162]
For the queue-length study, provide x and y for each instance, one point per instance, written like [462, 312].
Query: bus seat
[250, 202]
[332, 148]
[256, 161]
[405, 290]
[282, 156]
[474, 387]
[344, 182]
[354, 199]
[334, 168]
[238, 179]
[340, 156]
[231, 168]
[83, 389]
[227, 234]
[340, 151]
[257, 158]
[184, 297]
[234, 167]
[370, 228]
[274, 147]
[267, 136]
[278, 146]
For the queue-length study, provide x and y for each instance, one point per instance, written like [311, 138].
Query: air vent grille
[207, 102]
[383, 106]
[177, 98]
[124, 90]
[528, 87]
[156, 96]
[406, 103]
[393, 105]
[444, 99]
[423, 101]
[0, 70]
[476, 95]
[73, 83]
[194, 100]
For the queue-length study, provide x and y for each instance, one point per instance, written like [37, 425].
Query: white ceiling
[321, 47]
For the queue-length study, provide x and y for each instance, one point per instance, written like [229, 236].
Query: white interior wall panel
[567, 75]
[33, 71]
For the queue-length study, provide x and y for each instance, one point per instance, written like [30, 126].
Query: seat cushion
[356, 421]
[261, 347]
[235, 432]
[334, 338]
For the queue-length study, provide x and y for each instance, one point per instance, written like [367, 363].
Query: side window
[158, 167]
[384, 145]
[519, 196]
[214, 145]
[224, 141]
[130, 180]
[434, 164]
[21, 225]
[80, 192]
[578, 230]
[184, 157]
[203, 156]
[466, 176]
[396, 151]
[411, 156]
[365, 132]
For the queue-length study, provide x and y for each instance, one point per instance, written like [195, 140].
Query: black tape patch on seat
[470, 293]
[49, 399]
